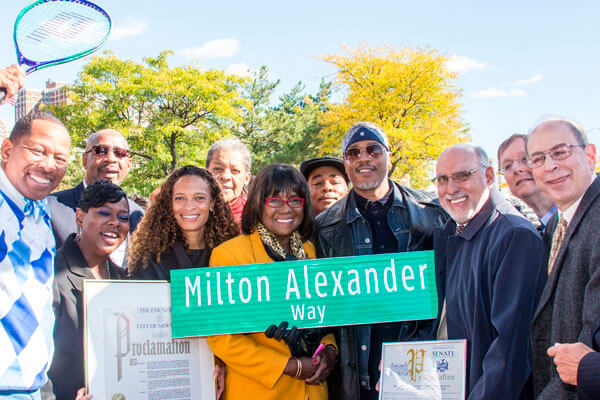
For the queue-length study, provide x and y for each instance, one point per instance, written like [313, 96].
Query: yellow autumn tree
[409, 92]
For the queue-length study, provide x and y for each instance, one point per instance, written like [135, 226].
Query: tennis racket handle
[2, 93]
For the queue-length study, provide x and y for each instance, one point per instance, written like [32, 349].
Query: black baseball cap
[311, 164]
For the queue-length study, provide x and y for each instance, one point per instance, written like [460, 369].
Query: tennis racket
[52, 32]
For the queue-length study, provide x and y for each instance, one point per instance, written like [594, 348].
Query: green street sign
[306, 293]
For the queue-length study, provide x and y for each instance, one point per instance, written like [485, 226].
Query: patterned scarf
[269, 240]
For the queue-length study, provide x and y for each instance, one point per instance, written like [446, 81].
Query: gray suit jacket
[62, 211]
[570, 302]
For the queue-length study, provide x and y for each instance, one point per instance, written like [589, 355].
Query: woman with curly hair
[187, 219]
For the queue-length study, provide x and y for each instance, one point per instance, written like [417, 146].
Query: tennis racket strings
[52, 32]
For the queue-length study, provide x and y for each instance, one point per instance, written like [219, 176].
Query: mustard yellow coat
[254, 362]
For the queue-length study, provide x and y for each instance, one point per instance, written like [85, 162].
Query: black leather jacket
[342, 231]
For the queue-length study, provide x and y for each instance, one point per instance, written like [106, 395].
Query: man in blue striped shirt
[34, 161]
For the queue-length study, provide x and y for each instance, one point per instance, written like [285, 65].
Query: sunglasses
[372, 150]
[102, 151]
[293, 202]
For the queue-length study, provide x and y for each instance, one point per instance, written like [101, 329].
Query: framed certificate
[130, 353]
[434, 370]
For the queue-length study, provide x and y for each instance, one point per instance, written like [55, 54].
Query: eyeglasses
[101, 151]
[509, 165]
[459, 177]
[40, 155]
[373, 151]
[557, 153]
[292, 202]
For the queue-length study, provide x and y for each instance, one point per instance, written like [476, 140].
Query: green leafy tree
[288, 132]
[409, 92]
[169, 115]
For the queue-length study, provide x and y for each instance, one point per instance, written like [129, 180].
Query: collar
[353, 212]
[78, 265]
[544, 220]
[11, 192]
[35, 208]
[75, 260]
[238, 203]
[570, 211]
[477, 222]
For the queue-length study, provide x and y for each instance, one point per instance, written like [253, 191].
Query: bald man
[106, 156]
[489, 264]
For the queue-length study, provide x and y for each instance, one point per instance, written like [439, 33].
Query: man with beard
[512, 162]
[106, 156]
[377, 216]
[489, 266]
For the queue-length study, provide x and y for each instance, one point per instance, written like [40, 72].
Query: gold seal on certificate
[130, 353]
[433, 370]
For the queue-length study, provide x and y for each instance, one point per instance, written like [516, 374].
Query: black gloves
[302, 342]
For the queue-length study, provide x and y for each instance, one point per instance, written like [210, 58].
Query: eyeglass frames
[557, 153]
[510, 165]
[101, 151]
[372, 150]
[293, 202]
[458, 177]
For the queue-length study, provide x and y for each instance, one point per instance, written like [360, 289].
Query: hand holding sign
[325, 361]
[300, 368]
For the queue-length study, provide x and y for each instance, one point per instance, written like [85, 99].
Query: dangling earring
[78, 235]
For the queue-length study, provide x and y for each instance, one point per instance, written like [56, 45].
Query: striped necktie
[557, 238]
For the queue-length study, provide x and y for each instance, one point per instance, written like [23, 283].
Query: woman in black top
[103, 223]
[187, 219]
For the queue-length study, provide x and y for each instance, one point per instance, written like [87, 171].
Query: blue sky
[518, 62]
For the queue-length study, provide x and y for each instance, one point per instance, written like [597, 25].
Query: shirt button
[363, 347]
[367, 240]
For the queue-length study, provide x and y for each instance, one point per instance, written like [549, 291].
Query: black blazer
[67, 370]
[62, 210]
[175, 257]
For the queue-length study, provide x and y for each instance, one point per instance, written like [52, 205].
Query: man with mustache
[489, 266]
[563, 163]
[326, 179]
[106, 156]
[377, 216]
[34, 161]
[512, 163]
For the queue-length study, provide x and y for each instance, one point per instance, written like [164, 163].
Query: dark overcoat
[491, 276]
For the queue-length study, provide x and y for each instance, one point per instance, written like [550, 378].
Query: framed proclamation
[130, 353]
[433, 370]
